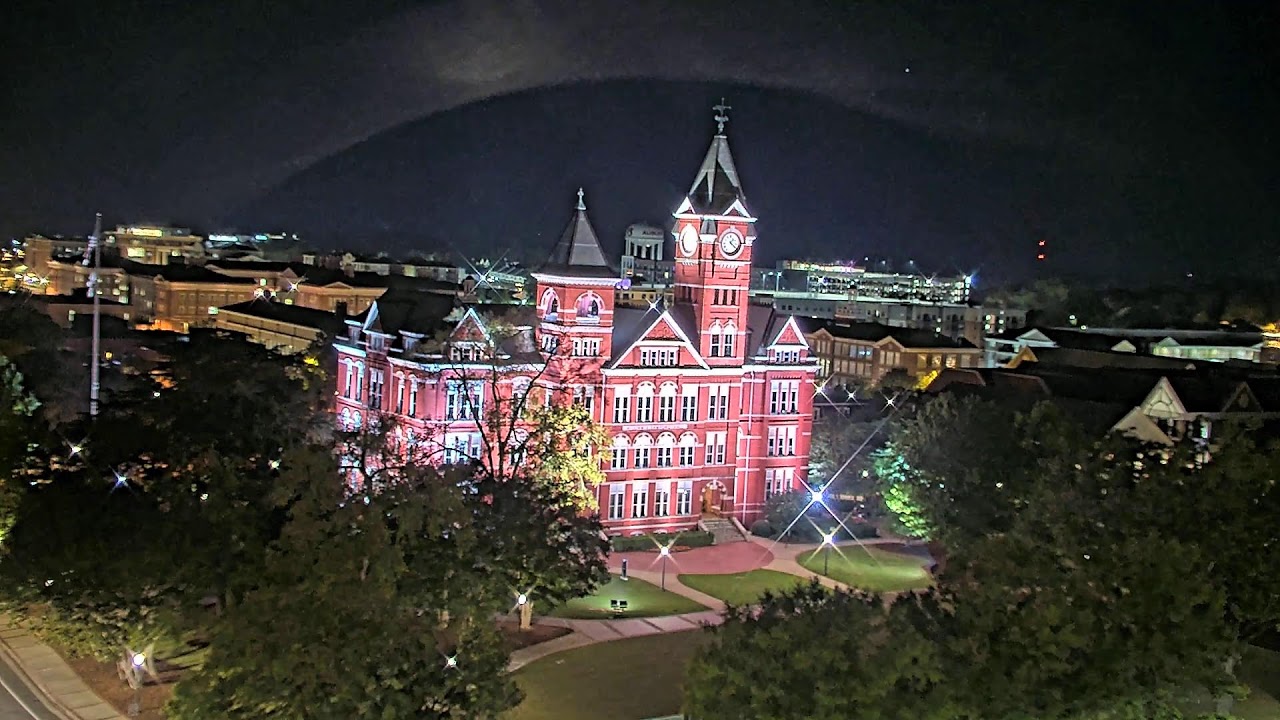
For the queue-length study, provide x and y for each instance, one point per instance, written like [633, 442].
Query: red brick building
[709, 400]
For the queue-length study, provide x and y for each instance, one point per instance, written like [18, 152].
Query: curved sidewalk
[50, 677]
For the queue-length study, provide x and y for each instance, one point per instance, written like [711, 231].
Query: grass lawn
[643, 600]
[742, 588]
[623, 680]
[869, 569]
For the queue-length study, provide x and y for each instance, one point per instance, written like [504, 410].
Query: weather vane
[722, 116]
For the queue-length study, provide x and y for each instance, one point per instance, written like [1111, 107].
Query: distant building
[1190, 345]
[287, 329]
[864, 353]
[155, 244]
[857, 282]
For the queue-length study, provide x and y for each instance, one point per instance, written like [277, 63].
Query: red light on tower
[1041, 255]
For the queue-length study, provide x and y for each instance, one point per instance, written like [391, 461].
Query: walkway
[43, 673]
[731, 559]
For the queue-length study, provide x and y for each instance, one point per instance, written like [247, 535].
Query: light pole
[137, 666]
[664, 552]
[828, 542]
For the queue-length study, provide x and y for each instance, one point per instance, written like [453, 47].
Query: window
[784, 397]
[718, 407]
[782, 441]
[715, 448]
[777, 481]
[463, 400]
[666, 448]
[400, 394]
[349, 377]
[639, 501]
[586, 347]
[375, 389]
[462, 448]
[644, 404]
[667, 403]
[686, 455]
[661, 500]
[659, 357]
[715, 339]
[616, 495]
[359, 383]
[621, 407]
[619, 459]
[786, 357]
[585, 395]
[643, 451]
[730, 335]
[413, 398]
[951, 361]
[689, 405]
[684, 498]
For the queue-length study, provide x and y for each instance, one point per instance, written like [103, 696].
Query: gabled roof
[1075, 357]
[632, 326]
[321, 320]
[578, 252]
[716, 187]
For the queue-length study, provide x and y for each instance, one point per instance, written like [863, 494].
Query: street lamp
[816, 496]
[828, 542]
[137, 671]
[664, 552]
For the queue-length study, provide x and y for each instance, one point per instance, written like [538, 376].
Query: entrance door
[711, 500]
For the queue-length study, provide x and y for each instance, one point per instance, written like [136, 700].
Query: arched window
[667, 402]
[666, 450]
[644, 403]
[589, 306]
[688, 443]
[715, 338]
[730, 335]
[550, 304]
[618, 454]
[644, 451]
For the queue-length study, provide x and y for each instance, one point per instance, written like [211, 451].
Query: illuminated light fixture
[522, 599]
[451, 661]
[664, 551]
[76, 450]
[138, 659]
[816, 495]
[829, 539]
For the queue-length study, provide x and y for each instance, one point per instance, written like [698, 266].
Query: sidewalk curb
[90, 707]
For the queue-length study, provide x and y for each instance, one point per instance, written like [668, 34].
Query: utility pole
[95, 364]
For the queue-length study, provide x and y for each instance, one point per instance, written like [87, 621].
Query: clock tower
[714, 233]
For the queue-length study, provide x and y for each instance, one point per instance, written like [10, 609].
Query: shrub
[689, 538]
[762, 528]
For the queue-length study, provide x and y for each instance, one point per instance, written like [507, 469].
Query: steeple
[716, 185]
[578, 252]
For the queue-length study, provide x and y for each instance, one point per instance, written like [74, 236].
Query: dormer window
[786, 357]
[376, 343]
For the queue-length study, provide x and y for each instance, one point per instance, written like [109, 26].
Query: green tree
[330, 631]
[783, 662]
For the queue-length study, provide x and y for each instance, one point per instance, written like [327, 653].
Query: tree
[783, 662]
[329, 630]
[17, 406]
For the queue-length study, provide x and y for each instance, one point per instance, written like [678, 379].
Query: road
[17, 701]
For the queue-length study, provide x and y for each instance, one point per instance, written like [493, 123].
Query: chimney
[340, 309]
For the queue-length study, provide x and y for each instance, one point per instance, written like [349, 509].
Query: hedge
[691, 538]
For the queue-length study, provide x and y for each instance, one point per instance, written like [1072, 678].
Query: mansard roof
[578, 252]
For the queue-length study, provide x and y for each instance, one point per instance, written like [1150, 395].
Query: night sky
[1137, 139]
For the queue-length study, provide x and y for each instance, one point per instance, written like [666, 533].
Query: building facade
[708, 401]
[858, 354]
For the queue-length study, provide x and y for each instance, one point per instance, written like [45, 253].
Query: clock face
[731, 243]
[688, 241]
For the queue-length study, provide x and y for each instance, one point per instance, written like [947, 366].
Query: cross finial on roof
[582, 205]
[722, 115]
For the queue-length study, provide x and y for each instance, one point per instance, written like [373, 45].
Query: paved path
[714, 560]
[41, 684]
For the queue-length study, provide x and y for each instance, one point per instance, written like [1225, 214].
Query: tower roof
[578, 252]
[716, 186]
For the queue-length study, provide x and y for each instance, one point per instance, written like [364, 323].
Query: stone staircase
[723, 530]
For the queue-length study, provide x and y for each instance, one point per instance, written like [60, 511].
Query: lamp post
[137, 668]
[526, 611]
[664, 552]
[828, 542]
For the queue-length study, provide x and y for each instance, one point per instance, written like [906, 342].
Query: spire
[716, 185]
[578, 252]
